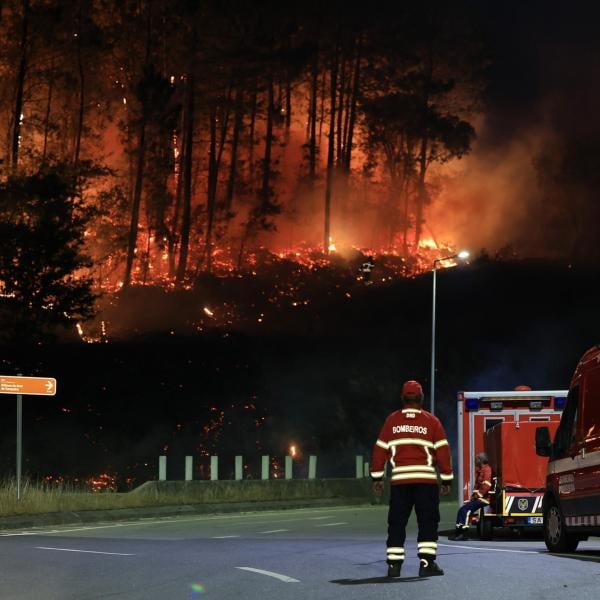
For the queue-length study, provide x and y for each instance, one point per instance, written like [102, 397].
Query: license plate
[535, 520]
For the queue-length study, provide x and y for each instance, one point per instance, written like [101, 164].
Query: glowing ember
[293, 451]
[209, 312]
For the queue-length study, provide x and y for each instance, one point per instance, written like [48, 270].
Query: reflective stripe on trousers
[424, 497]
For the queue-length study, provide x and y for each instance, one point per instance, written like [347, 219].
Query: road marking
[279, 576]
[224, 537]
[275, 531]
[330, 524]
[490, 549]
[318, 518]
[168, 520]
[82, 551]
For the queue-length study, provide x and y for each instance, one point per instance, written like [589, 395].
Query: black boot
[460, 535]
[394, 568]
[429, 568]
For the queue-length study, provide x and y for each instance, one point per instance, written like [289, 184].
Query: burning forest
[216, 139]
[243, 198]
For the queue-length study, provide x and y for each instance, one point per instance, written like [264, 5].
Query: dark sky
[531, 180]
[545, 65]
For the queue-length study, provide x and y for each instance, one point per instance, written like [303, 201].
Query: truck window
[490, 422]
[566, 434]
[590, 410]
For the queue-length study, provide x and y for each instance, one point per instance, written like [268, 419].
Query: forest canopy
[223, 127]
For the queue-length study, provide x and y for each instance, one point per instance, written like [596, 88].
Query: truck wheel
[556, 536]
[484, 528]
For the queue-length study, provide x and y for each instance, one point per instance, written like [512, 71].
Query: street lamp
[462, 255]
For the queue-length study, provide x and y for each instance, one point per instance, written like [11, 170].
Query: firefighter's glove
[378, 489]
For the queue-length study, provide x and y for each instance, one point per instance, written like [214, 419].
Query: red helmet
[412, 390]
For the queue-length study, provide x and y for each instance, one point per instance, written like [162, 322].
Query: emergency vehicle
[480, 412]
[571, 502]
[519, 477]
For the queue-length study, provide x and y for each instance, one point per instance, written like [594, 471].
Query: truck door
[587, 477]
[563, 466]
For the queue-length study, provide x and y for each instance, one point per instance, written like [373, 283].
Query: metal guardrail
[362, 467]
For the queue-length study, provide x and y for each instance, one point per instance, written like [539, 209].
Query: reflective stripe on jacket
[415, 443]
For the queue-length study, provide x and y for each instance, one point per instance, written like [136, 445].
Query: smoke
[529, 183]
[486, 200]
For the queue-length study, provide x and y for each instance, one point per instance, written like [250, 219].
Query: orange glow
[428, 243]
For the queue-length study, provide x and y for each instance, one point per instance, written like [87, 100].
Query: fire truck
[572, 497]
[502, 424]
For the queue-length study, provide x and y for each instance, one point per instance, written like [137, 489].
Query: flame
[293, 451]
[428, 243]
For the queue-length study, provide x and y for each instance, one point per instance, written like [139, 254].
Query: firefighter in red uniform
[479, 498]
[414, 442]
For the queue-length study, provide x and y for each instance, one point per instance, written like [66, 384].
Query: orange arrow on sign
[32, 386]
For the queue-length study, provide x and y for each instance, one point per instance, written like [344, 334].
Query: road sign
[29, 386]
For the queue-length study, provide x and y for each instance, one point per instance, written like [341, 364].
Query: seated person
[479, 498]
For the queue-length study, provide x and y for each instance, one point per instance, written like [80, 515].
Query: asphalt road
[325, 553]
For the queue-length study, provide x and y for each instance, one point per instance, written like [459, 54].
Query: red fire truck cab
[571, 504]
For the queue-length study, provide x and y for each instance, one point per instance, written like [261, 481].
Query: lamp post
[462, 255]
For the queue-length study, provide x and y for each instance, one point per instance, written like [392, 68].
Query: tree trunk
[187, 181]
[139, 177]
[48, 112]
[237, 125]
[211, 196]
[407, 175]
[288, 105]
[174, 230]
[314, 91]
[266, 175]
[322, 111]
[330, 153]
[353, 107]
[251, 132]
[137, 200]
[81, 90]
[340, 111]
[16, 137]
[422, 192]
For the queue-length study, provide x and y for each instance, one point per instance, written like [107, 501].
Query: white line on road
[318, 518]
[330, 524]
[489, 549]
[83, 551]
[177, 520]
[283, 578]
[224, 537]
[275, 531]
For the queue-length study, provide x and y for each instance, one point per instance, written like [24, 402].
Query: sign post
[19, 442]
[29, 386]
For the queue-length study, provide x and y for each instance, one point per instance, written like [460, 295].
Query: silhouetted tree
[42, 227]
